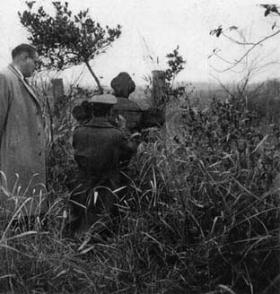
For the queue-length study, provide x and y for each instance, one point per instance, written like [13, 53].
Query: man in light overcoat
[22, 147]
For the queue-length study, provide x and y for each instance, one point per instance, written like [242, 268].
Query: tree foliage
[175, 63]
[67, 39]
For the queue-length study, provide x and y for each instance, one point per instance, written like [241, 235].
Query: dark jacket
[130, 111]
[100, 148]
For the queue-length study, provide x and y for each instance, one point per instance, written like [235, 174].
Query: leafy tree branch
[270, 9]
[67, 39]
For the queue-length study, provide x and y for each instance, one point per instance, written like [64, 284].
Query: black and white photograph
[140, 147]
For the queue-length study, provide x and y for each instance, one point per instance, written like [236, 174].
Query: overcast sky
[154, 28]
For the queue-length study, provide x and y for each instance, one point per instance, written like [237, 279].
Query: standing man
[22, 147]
[99, 150]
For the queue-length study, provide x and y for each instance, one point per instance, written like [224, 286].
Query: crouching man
[99, 150]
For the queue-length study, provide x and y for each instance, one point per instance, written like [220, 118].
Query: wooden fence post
[58, 90]
[159, 89]
[58, 96]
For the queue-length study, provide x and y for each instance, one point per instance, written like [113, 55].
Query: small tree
[66, 39]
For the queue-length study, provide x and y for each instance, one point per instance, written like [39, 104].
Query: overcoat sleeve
[4, 103]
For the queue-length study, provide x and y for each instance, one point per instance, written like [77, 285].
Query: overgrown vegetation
[200, 215]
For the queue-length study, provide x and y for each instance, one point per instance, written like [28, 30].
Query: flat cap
[105, 99]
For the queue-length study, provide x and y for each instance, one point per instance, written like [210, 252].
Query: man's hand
[135, 140]
[121, 122]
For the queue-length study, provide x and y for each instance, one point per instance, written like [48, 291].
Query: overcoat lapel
[27, 86]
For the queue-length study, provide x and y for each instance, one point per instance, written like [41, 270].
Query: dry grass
[200, 215]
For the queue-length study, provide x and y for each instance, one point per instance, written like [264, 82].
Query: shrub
[231, 205]
[200, 214]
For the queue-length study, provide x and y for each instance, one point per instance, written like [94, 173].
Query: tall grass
[200, 214]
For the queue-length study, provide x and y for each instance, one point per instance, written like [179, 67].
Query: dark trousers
[92, 201]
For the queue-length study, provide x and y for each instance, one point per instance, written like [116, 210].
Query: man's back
[96, 147]
[99, 147]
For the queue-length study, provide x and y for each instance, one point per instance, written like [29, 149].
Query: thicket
[200, 215]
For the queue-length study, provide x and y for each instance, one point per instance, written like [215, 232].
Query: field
[200, 214]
